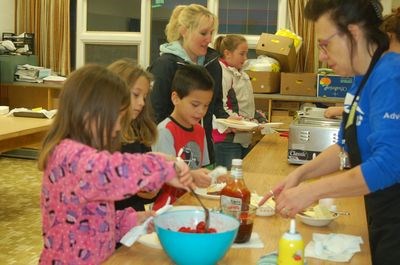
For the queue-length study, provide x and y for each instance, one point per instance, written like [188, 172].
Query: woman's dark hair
[365, 13]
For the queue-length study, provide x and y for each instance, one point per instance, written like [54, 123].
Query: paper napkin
[254, 242]
[129, 238]
[333, 247]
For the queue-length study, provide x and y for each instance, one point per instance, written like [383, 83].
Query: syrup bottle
[235, 201]
[291, 247]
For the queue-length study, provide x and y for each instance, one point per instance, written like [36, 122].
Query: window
[116, 15]
[107, 30]
[106, 54]
[247, 17]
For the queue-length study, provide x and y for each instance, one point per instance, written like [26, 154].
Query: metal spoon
[340, 212]
[206, 211]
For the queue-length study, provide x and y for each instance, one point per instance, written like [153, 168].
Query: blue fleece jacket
[378, 123]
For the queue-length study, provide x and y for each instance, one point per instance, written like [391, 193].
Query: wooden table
[263, 167]
[17, 132]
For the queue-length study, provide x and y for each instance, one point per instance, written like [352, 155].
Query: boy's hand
[201, 177]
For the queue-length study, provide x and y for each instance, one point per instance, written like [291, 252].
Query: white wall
[7, 15]
[396, 3]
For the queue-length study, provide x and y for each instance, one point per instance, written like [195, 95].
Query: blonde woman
[189, 32]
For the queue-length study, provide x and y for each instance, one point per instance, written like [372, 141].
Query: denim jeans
[225, 152]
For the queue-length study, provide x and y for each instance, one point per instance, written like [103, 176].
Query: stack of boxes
[291, 83]
[282, 49]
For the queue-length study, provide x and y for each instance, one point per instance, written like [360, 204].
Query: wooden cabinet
[278, 97]
[30, 95]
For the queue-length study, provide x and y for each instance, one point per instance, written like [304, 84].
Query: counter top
[263, 167]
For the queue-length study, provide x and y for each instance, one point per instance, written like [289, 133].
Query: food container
[308, 220]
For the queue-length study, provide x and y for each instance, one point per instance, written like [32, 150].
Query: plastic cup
[246, 219]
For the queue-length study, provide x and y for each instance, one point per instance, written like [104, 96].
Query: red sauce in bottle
[235, 198]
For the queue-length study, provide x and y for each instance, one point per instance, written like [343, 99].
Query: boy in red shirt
[192, 91]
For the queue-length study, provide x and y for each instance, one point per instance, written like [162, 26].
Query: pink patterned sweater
[80, 185]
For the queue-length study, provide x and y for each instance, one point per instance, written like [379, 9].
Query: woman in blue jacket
[352, 44]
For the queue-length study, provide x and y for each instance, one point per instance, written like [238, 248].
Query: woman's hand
[333, 112]
[201, 177]
[293, 200]
[292, 180]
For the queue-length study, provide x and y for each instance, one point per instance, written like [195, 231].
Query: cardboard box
[280, 48]
[264, 82]
[333, 85]
[299, 84]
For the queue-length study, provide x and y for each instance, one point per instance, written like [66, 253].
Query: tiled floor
[20, 223]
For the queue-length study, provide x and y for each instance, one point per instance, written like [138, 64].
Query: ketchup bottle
[235, 201]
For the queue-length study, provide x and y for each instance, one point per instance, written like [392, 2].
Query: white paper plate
[203, 193]
[151, 240]
[270, 124]
[238, 124]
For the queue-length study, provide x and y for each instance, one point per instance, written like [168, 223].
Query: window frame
[142, 39]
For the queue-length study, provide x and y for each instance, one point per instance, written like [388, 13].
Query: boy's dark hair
[191, 77]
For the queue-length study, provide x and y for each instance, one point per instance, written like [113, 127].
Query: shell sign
[325, 81]
[333, 85]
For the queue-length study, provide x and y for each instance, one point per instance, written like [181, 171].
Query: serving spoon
[206, 211]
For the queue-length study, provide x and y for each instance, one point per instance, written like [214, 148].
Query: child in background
[139, 130]
[192, 91]
[83, 174]
[237, 99]
[391, 25]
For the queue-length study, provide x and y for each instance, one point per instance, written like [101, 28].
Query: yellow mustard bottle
[291, 247]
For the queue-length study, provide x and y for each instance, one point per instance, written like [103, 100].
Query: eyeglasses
[323, 44]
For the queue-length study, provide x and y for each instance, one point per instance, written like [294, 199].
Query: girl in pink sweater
[84, 175]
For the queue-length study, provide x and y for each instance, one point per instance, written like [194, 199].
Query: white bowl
[316, 221]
